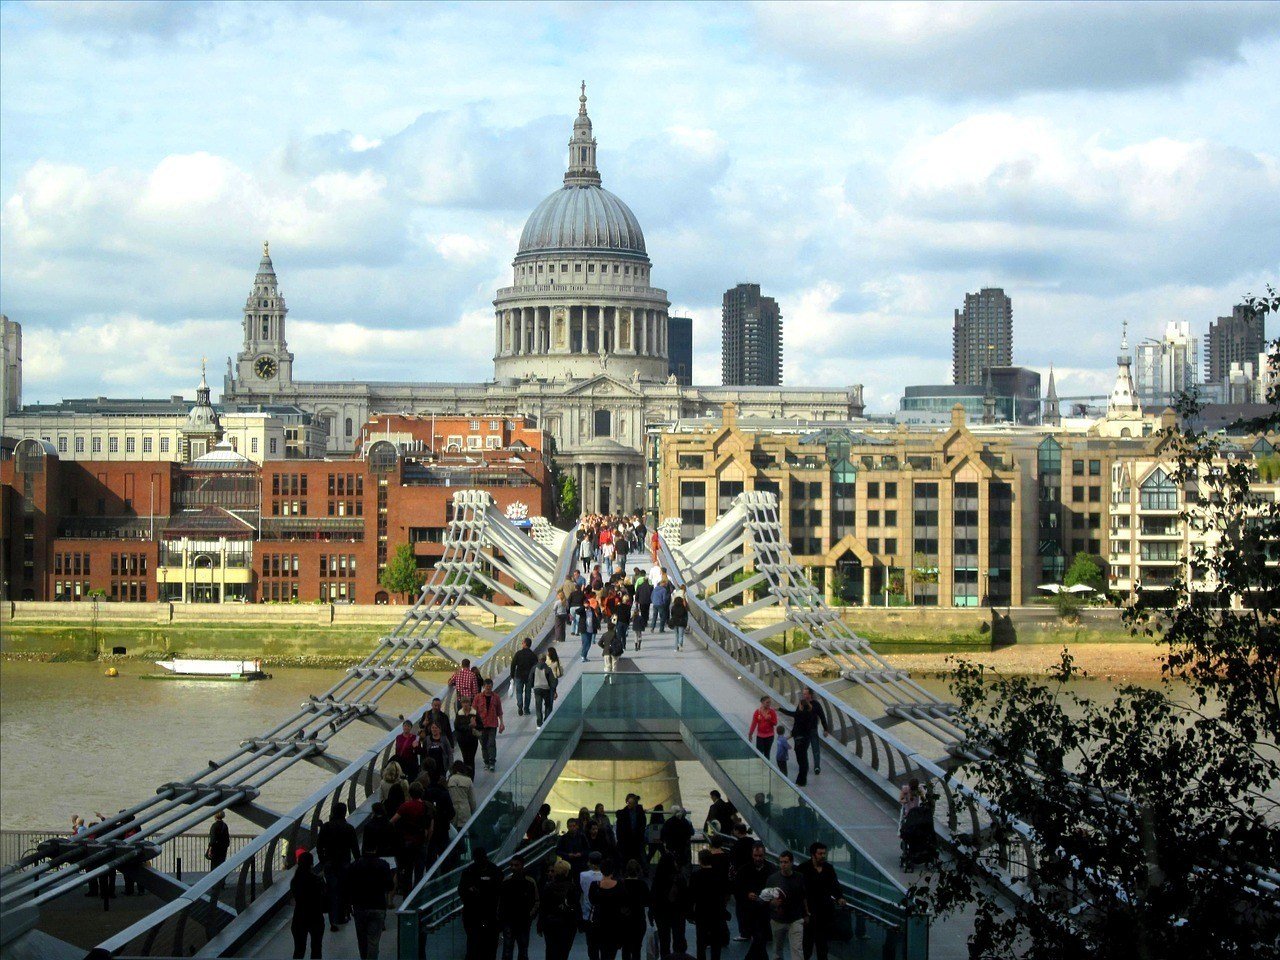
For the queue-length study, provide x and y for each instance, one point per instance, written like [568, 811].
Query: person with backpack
[561, 911]
[658, 601]
[670, 893]
[544, 688]
[336, 848]
[611, 645]
[518, 905]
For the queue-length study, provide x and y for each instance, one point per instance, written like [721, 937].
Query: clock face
[265, 367]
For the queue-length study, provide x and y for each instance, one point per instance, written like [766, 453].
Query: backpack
[616, 648]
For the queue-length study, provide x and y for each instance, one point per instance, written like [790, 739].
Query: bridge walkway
[843, 795]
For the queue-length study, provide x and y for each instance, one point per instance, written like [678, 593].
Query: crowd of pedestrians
[630, 885]
[809, 722]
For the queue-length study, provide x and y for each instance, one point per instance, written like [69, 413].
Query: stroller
[918, 839]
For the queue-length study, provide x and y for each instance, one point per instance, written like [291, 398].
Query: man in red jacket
[489, 708]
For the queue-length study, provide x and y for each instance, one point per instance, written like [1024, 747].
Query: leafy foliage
[1088, 569]
[401, 574]
[567, 503]
[1149, 819]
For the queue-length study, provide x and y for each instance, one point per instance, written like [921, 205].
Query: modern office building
[1008, 395]
[750, 338]
[982, 336]
[1167, 368]
[680, 349]
[1237, 339]
[10, 368]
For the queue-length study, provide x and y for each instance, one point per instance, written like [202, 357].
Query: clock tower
[264, 364]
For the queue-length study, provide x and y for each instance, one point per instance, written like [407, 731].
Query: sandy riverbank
[1103, 661]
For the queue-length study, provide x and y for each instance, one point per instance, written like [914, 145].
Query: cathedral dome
[582, 217]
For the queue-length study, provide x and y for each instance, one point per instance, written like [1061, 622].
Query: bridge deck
[856, 807]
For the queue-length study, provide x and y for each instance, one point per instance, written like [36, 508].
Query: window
[495, 424]
[164, 444]
[113, 445]
[603, 423]
[272, 445]
[890, 544]
[1095, 468]
[1077, 492]
[691, 461]
[891, 518]
[62, 444]
[873, 518]
[890, 490]
[129, 445]
[1095, 494]
[1159, 492]
[253, 444]
[693, 504]
[146, 444]
[475, 424]
[1077, 468]
[347, 425]
[873, 490]
[79, 444]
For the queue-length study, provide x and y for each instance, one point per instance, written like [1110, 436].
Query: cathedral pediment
[604, 386]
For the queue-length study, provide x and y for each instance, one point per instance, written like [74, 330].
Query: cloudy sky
[866, 165]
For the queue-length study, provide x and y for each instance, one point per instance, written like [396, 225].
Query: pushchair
[919, 842]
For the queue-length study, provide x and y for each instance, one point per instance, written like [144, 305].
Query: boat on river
[178, 668]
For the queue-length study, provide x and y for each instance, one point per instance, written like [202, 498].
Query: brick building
[224, 528]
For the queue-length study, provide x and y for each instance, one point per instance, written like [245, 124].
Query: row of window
[527, 271]
[132, 590]
[71, 563]
[71, 589]
[341, 484]
[113, 444]
[338, 565]
[279, 565]
[128, 564]
[289, 484]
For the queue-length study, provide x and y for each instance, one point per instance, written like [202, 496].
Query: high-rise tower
[982, 336]
[750, 338]
[1238, 338]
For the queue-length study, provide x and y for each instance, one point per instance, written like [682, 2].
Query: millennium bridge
[744, 589]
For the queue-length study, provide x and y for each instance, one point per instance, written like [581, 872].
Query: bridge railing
[196, 918]
[885, 759]
[183, 855]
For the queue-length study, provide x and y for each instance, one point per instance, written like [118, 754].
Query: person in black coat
[677, 835]
[823, 894]
[518, 907]
[336, 847]
[631, 822]
[670, 901]
[805, 722]
[709, 895]
[479, 889]
[753, 915]
[309, 901]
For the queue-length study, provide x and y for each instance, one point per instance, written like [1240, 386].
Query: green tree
[1087, 569]
[567, 504]
[401, 574]
[1151, 818]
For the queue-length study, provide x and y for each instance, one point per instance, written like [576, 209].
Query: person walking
[466, 731]
[561, 911]
[789, 911]
[823, 896]
[658, 601]
[489, 716]
[518, 905]
[379, 835]
[438, 716]
[589, 877]
[394, 788]
[219, 841]
[677, 835]
[336, 848]
[804, 728]
[585, 550]
[820, 713]
[720, 814]
[309, 902]
[631, 821]
[709, 896]
[522, 665]
[782, 750]
[670, 899]
[439, 803]
[370, 883]
[753, 913]
[406, 750]
[436, 750]
[763, 724]
[588, 624]
[560, 610]
[575, 601]
[414, 822]
[622, 614]
[572, 848]
[608, 901]
[464, 683]
[635, 910]
[612, 645]
[479, 889]
[640, 604]
[678, 617]
[544, 688]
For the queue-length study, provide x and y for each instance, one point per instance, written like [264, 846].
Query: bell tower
[264, 364]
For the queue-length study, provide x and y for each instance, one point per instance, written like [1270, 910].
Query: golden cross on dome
[266, 248]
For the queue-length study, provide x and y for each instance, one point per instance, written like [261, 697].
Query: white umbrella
[1080, 588]
[1050, 588]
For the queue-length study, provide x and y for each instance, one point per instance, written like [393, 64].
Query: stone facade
[580, 346]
